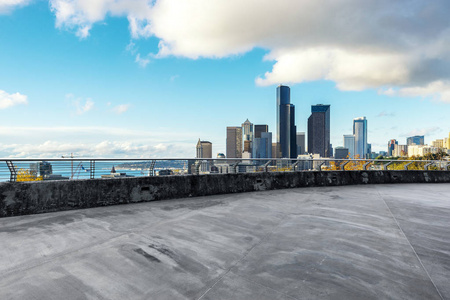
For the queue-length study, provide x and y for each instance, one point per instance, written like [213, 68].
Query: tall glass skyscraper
[360, 133]
[349, 143]
[319, 131]
[286, 129]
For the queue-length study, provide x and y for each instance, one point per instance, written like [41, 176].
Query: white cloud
[103, 149]
[143, 62]
[437, 90]
[401, 47]
[120, 109]
[8, 5]
[8, 100]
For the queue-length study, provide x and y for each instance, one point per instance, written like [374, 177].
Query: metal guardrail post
[366, 165]
[344, 164]
[197, 167]
[12, 171]
[266, 165]
[151, 169]
[234, 167]
[386, 165]
[320, 166]
[294, 166]
[427, 165]
[407, 165]
[92, 169]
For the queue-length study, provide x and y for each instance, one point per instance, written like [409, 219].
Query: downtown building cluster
[415, 147]
[255, 141]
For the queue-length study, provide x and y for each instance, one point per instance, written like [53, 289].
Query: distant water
[81, 170]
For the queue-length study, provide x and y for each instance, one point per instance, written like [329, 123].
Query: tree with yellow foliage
[26, 175]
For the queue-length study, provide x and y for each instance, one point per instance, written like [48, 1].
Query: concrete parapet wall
[48, 196]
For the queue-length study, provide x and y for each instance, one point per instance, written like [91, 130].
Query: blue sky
[148, 78]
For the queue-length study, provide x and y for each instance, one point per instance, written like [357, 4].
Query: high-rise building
[360, 133]
[234, 142]
[276, 150]
[247, 130]
[286, 129]
[204, 149]
[300, 143]
[341, 153]
[349, 143]
[259, 129]
[391, 146]
[319, 130]
[415, 140]
[262, 146]
[400, 150]
[439, 143]
[247, 146]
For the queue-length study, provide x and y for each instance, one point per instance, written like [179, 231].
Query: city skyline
[117, 81]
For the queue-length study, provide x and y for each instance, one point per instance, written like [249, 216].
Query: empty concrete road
[346, 242]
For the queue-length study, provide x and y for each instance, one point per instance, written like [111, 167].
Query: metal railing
[37, 169]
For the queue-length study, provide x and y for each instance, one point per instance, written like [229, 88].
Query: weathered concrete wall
[39, 197]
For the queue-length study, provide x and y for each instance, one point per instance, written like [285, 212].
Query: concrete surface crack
[409, 243]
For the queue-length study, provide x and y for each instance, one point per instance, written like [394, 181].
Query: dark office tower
[286, 129]
[259, 129]
[415, 140]
[319, 131]
[234, 142]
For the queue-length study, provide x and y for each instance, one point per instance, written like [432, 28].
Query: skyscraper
[319, 130]
[360, 133]
[341, 153]
[391, 146]
[204, 149]
[262, 146]
[417, 140]
[300, 143]
[234, 142]
[247, 129]
[349, 143]
[286, 129]
[259, 129]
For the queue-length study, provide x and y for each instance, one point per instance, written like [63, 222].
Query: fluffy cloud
[401, 47]
[8, 5]
[438, 90]
[103, 149]
[118, 142]
[8, 100]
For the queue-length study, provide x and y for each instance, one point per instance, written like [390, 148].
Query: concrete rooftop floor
[347, 242]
